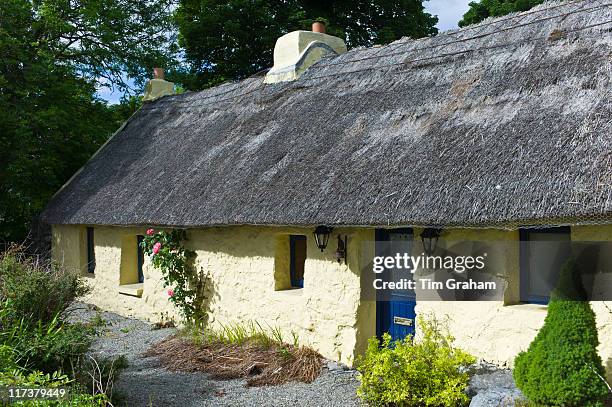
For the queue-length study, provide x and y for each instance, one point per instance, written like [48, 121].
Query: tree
[53, 55]
[561, 367]
[482, 9]
[232, 39]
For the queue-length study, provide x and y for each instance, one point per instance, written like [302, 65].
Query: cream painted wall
[497, 331]
[247, 267]
[114, 247]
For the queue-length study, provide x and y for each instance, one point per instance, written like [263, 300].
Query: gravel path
[145, 383]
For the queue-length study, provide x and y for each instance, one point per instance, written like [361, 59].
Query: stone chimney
[295, 52]
[158, 87]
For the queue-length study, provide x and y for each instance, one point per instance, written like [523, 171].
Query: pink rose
[156, 247]
[150, 232]
[170, 292]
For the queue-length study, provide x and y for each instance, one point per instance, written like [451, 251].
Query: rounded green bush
[428, 372]
[561, 367]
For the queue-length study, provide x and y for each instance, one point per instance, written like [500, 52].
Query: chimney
[158, 73]
[318, 27]
[158, 87]
[295, 52]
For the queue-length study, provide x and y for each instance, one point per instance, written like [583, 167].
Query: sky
[449, 12]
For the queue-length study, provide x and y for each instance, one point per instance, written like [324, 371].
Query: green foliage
[479, 10]
[36, 292]
[232, 39]
[37, 347]
[75, 397]
[33, 296]
[185, 286]
[97, 321]
[561, 367]
[54, 55]
[428, 372]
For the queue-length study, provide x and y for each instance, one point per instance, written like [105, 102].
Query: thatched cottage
[499, 131]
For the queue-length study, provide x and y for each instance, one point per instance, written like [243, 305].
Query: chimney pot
[318, 27]
[158, 73]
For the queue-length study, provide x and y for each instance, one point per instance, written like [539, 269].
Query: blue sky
[449, 13]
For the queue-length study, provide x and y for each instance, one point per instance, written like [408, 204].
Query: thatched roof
[499, 124]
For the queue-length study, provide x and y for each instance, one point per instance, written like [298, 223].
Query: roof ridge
[546, 6]
[202, 97]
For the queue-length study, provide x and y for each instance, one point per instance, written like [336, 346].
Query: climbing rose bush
[167, 253]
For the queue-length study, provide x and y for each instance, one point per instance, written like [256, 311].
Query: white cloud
[449, 12]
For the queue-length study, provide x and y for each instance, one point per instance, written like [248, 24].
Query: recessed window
[91, 255]
[297, 254]
[140, 258]
[131, 276]
[544, 253]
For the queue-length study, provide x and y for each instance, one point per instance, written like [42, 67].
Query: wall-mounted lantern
[429, 237]
[341, 250]
[321, 235]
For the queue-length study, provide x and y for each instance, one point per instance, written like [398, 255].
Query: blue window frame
[297, 250]
[91, 255]
[140, 258]
[543, 253]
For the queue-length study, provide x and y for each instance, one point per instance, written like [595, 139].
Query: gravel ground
[145, 383]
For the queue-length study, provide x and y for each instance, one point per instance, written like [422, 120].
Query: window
[91, 255]
[543, 253]
[140, 257]
[297, 254]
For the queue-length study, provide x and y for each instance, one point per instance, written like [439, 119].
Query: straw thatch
[503, 123]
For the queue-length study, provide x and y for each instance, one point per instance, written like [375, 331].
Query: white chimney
[295, 52]
[158, 87]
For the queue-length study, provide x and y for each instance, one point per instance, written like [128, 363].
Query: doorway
[395, 311]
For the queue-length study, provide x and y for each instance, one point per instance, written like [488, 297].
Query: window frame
[292, 277]
[91, 252]
[140, 258]
[524, 271]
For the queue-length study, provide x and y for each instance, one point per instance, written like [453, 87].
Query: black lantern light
[321, 235]
[429, 237]
[341, 250]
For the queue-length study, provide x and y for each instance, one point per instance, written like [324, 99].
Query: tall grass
[239, 334]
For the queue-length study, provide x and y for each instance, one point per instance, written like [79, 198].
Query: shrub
[47, 347]
[75, 396]
[561, 367]
[36, 346]
[33, 297]
[36, 292]
[429, 372]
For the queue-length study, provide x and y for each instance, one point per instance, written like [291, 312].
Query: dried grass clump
[258, 359]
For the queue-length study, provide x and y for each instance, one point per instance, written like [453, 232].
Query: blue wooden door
[395, 313]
